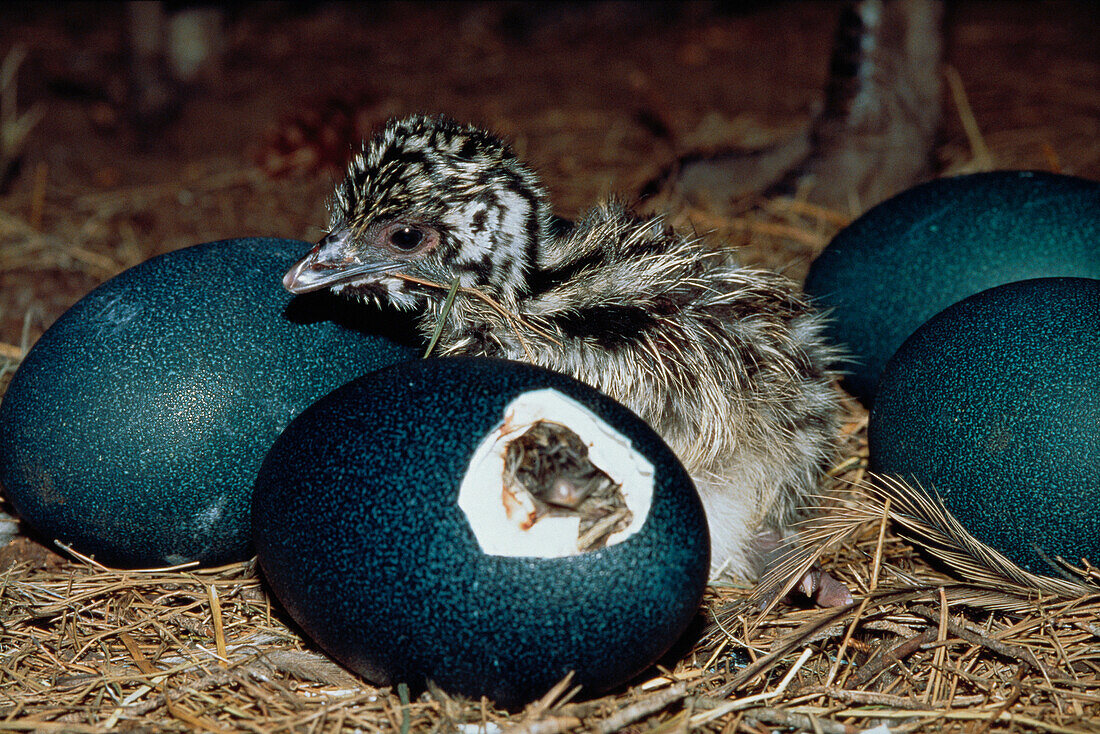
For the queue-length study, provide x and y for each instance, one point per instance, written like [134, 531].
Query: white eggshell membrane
[502, 526]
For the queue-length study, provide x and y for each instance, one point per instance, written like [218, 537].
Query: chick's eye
[405, 237]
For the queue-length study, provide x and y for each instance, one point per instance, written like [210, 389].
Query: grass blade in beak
[442, 317]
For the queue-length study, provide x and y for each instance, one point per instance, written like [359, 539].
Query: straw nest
[89, 649]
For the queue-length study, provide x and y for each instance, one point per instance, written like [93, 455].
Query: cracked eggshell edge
[481, 493]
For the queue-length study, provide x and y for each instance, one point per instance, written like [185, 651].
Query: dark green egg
[134, 428]
[914, 255]
[995, 403]
[366, 527]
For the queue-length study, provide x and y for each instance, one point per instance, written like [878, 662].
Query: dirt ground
[598, 97]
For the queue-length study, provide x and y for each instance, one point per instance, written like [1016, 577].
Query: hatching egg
[483, 524]
[914, 255]
[995, 404]
[134, 427]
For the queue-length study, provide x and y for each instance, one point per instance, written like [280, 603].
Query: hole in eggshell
[530, 490]
[547, 473]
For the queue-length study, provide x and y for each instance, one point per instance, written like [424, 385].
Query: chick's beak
[331, 262]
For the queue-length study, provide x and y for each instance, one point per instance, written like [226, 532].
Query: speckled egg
[386, 523]
[914, 255]
[995, 403]
[134, 428]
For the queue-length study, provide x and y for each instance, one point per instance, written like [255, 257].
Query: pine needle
[513, 319]
[982, 158]
[447, 304]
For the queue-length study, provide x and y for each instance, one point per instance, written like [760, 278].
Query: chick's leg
[774, 551]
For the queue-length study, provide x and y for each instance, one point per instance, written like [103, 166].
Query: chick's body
[726, 363]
